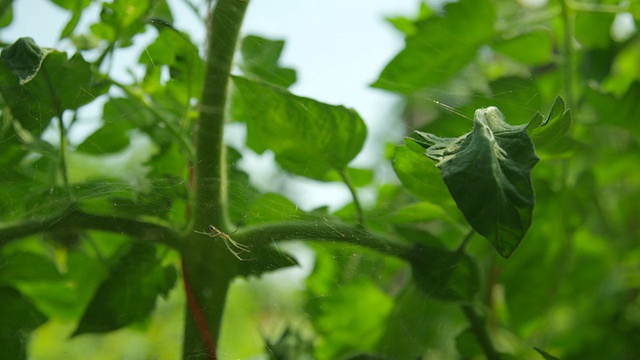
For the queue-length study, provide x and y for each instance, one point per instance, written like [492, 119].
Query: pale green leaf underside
[488, 173]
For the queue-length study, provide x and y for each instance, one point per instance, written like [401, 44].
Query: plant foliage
[151, 228]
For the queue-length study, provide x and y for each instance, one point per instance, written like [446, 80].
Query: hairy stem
[264, 235]
[207, 266]
[73, 219]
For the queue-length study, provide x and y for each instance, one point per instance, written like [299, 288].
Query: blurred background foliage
[571, 288]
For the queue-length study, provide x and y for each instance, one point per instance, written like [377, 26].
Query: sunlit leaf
[349, 319]
[532, 48]
[260, 60]
[421, 178]
[488, 173]
[440, 46]
[553, 128]
[59, 84]
[129, 293]
[309, 138]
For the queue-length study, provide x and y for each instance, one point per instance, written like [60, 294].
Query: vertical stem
[347, 180]
[479, 328]
[567, 18]
[63, 152]
[208, 266]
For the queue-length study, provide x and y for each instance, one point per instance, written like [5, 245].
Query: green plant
[400, 278]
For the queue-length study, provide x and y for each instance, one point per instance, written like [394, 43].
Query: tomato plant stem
[208, 267]
[479, 329]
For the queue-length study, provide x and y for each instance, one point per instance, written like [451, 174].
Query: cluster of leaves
[93, 261]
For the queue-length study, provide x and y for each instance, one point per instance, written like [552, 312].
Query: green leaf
[421, 178]
[6, 13]
[260, 59]
[418, 212]
[358, 177]
[24, 58]
[531, 48]
[592, 28]
[174, 49]
[26, 266]
[351, 318]
[59, 84]
[19, 317]
[129, 293]
[545, 355]
[488, 173]
[440, 47]
[264, 260]
[445, 275]
[553, 128]
[309, 138]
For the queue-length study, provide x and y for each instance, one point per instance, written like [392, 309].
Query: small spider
[231, 244]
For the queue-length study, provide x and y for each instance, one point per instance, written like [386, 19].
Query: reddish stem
[198, 316]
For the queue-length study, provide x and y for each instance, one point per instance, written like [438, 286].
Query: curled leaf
[488, 173]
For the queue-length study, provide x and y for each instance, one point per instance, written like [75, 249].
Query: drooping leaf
[309, 138]
[129, 293]
[19, 318]
[553, 128]
[260, 59]
[488, 173]
[445, 275]
[24, 58]
[440, 46]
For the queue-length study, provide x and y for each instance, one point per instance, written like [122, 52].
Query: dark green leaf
[445, 275]
[129, 293]
[26, 266]
[260, 59]
[19, 318]
[24, 58]
[553, 128]
[467, 345]
[264, 260]
[440, 47]
[309, 138]
[488, 173]
[545, 354]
